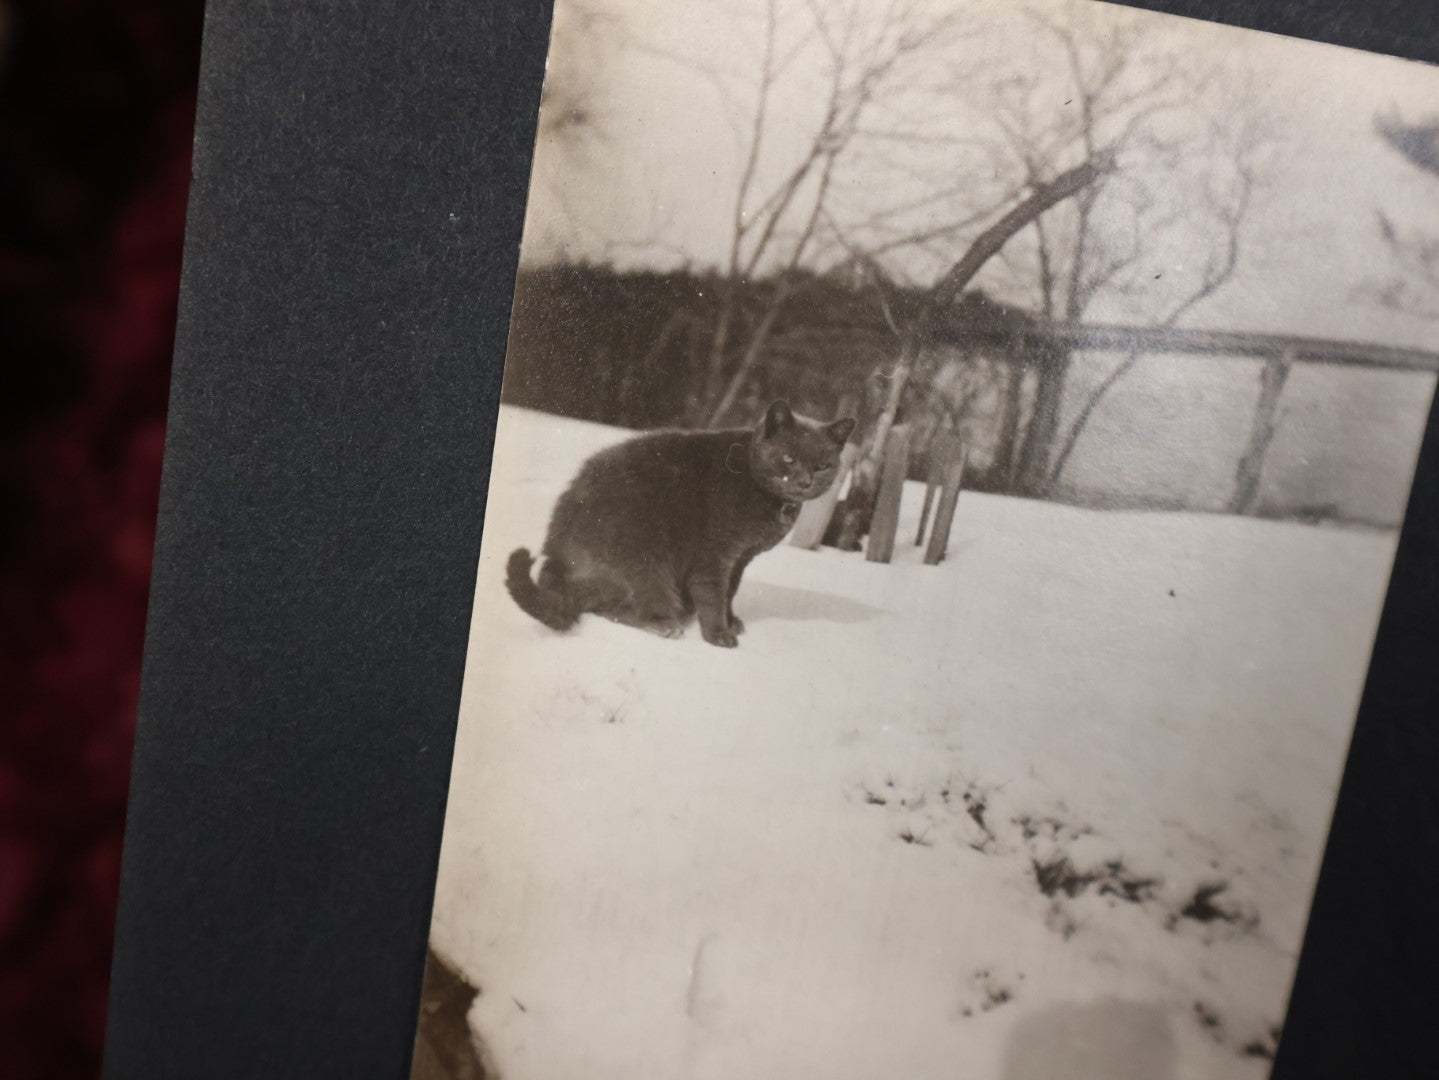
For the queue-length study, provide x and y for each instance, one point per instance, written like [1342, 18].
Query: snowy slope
[964, 821]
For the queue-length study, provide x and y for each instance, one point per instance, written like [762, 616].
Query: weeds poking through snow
[1061, 921]
[1033, 827]
[1067, 859]
[1266, 1047]
[1120, 882]
[1059, 875]
[1209, 1020]
[1202, 908]
[975, 804]
[992, 993]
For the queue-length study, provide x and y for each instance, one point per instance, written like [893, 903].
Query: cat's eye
[787, 459]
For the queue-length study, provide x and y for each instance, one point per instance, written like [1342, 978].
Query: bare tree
[774, 227]
[1224, 203]
[864, 139]
[1155, 237]
[918, 337]
[801, 114]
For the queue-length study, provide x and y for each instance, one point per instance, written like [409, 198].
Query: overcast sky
[652, 177]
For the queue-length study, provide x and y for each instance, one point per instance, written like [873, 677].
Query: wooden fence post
[814, 515]
[948, 501]
[1250, 470]
[885, 523]
[944, 447]
[931, 485]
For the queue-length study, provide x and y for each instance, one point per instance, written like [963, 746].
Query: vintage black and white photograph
[947, 478]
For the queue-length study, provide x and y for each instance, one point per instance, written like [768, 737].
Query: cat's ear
[841, 430]
[777, 418]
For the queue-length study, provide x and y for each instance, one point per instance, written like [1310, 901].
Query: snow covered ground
[1051, 809]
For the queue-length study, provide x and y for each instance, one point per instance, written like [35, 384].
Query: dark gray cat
[660, 528]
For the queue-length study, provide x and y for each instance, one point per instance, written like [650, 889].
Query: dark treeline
[636, 349]
[633, 349]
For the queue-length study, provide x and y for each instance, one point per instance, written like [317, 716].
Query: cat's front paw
[725, 639]
[736, 625]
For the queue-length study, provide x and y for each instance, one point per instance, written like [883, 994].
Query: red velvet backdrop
[96, 110]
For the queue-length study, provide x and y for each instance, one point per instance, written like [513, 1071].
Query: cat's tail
[550, 606]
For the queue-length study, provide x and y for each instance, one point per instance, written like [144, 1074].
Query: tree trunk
[747, 361]
[1082, 420]
[855, 516]
[1032, 471]
[1002, 470]
[1034, 459]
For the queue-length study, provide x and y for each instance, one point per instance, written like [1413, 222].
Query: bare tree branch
[1068, 184]
[778, 231]
[1217, 273]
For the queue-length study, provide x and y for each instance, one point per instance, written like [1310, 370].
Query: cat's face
[796, 458]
